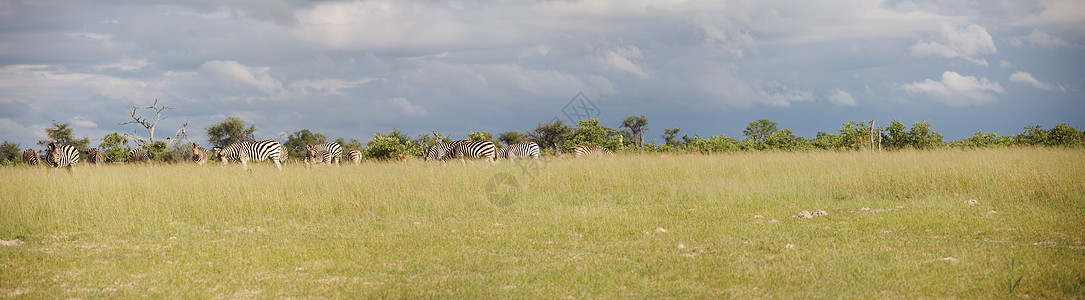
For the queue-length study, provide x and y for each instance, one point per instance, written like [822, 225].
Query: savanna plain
[989, 223]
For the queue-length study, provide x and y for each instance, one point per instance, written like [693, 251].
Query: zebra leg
[278, 165]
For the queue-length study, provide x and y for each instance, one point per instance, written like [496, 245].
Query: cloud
[405, 107]
[1025, 77]
[241, 75]
[81, 121]
[327, 86]
[621, 59]
[125, 64]
[1041, 39]
[841, 98]
[957, 90]
[965, 43]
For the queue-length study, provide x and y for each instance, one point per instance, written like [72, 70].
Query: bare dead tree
[150, 125]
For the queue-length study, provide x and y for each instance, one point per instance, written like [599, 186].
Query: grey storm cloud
[352, 68]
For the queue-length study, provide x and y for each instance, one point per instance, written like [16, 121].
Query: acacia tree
[62, 133]
[636, 124]
[669, 137]
[147, 123]
[512, 137]
[296, 142]
[550, 135]
[232, 130]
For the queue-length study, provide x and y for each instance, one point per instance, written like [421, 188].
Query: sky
[354, 68]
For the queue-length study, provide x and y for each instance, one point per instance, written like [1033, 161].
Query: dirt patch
[14, 242]
[809, 215]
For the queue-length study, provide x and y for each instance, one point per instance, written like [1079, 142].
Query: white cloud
[1025, 77]
[621, 59]
[326, 86]
[82, 121]
[1006, 65]
[405, 107]
[125, 64]
[1041, 39]
[841, 98]
[239, 74]
[957, 90]
[966, 43]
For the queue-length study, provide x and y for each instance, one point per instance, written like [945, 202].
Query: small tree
[483, 136]
[923, 137]
[232, 130]
[1063, 135]
[512, 137]
[62, 133]
[114, 147]
[759, 130]
[133, 112]
[296, 142]
[10, 154]
[669, 137]
[589, 132]
[637, 125]
[550, 135]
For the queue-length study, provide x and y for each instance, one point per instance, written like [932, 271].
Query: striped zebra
[30, 157]
[354, 156]
[250, 151]
[512, 152]
[442, 151]
[582, 150]
[318, 157]
[139, 155]
[62, 156]
[94, 156]
[199, 154]
[474, 149]
[334, 149]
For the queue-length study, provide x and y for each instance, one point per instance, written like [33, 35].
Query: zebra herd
[65, 156]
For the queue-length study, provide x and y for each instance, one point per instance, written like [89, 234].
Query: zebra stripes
[251, 151]
[199, 154]
[512, 152]
[442, 151]
[30, 157]
[139, 155]
[334, 149]
[354, 156]
[474, 149]
[62, 156]
[94, 156]
[582, 150]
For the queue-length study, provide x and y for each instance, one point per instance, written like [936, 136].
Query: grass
[944, 224]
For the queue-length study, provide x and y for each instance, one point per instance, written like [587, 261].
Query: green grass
[900, 225]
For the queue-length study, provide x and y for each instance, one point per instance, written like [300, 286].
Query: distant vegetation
[558, 137]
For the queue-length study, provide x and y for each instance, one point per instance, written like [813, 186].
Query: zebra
[139, 155]
[30, 157]
[474, 149]
[63, 156]
[316, 157]
[354, 156]
[442, 151]
[199, 154]
[251, 151]
[582, 150]
[511, 152]
[333, 148]
[94, 156]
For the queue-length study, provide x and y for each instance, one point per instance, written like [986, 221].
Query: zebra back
[354, 156]
[251, 151]
[520, 150]
[139, 155]
[583, 150]
[63, 156]
[334, 149]
[199, 154]
[443, 151]
[30, 157]
[474, 149]
[94, 156]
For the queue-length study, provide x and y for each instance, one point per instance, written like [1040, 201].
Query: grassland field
[993, 223]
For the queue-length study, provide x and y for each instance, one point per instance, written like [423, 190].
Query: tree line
[557, 137]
